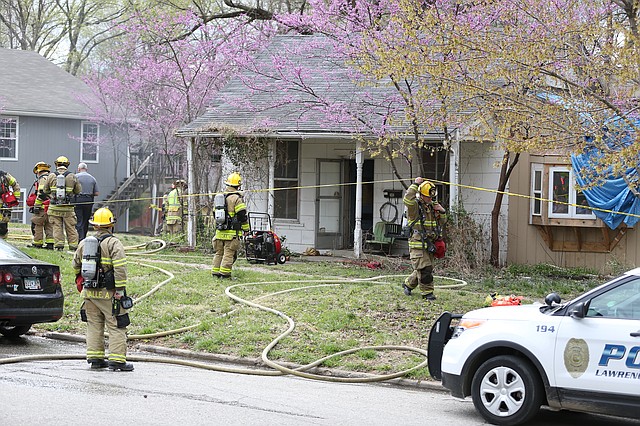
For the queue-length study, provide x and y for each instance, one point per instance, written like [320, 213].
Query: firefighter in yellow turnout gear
[227, 239]
[59, 188]
[42, 226]
[10, 194]
[176, 207]
[426, 217]
[100, 265]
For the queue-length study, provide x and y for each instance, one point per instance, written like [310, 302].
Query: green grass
[328, 319]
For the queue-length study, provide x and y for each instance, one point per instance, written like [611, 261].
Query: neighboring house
[42, 117]
[326, 164]
[561, 234]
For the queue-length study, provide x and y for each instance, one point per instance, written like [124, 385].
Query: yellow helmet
[428, 189]
[40, 166]
[62, 161]
[234, 180]
[102, 217]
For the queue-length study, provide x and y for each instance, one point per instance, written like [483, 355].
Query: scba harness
[224, 221]
[63, 193]
[92, 271]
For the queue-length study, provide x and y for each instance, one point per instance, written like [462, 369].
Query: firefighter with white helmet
[426, 217]
[42, 226]
[100, 265]
[229, 231]
[176, 207]
[60, 188]
[10, 198]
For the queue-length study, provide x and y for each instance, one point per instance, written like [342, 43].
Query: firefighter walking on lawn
[425, 216]
[100, 265]
[229, 231]
[42, 227]
[60, 188]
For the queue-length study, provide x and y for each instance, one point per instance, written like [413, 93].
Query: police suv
[583, 355]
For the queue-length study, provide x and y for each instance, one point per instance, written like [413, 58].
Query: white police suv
[583, 355]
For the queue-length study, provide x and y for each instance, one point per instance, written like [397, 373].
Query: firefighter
[426, 217]
[176, 207]
[10, 194]
[100, 265]
[42, 227]
[60, 188]
[226, 241]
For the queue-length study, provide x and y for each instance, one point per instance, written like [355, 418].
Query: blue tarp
[614, 194]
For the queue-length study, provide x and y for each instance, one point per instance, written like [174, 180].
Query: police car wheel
[507, 390]
[14, 331]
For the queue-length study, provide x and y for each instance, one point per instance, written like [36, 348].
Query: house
[324, 187]
[43, 115]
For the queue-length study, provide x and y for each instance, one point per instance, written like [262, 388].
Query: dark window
[286, 176]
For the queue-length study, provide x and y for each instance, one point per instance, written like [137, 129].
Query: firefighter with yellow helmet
[42, 226]
[10, 195]
[100, 265]
[231, 223]
[426, 217]
[60, 188]
[176, 207]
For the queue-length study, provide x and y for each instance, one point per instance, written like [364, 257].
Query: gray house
[43, 115]
[320, 182]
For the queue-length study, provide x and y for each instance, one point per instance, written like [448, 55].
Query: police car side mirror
[579, 310]
[552, 299]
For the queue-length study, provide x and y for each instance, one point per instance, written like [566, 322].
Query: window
[89, 143]
[9, 137]
[621, 302]
[536, 189]
[286, 176]
[565, 198]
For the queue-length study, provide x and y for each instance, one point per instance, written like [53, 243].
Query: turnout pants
[422, 262]
[225, 256]
[98, 316]
[64, 223]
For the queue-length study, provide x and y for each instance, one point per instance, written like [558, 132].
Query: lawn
[332, 305]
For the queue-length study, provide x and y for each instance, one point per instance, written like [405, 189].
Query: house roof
[319, 97]
[32, 85]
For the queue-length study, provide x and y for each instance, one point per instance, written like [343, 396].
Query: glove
[37, 210]
[79, 282]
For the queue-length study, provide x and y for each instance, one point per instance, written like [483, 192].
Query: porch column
[357, 232]
[272, 181]
[454, 166]
[191, 202]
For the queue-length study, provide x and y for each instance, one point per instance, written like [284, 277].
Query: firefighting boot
[120, 366]
[97, 363]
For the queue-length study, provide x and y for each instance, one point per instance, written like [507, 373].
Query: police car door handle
[636, 334]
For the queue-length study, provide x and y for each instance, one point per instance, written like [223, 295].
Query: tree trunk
[505, 174]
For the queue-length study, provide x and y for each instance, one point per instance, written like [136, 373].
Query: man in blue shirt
[84, 200]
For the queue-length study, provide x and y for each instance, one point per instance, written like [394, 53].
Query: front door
[329, 196]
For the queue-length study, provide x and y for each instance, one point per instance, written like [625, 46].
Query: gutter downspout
[191, 229]
[357, 232]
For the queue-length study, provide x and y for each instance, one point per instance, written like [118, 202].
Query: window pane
[8, 137]
[581, 200]
[89, 142]
[286, 200]
[560, 191]
[286, 159]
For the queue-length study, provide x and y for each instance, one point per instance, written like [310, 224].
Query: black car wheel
[14, 331]
[506, 390]
[282, 258]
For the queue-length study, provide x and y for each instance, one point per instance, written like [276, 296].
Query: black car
[30, 291]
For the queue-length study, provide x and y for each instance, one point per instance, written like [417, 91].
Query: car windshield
[9, 252]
